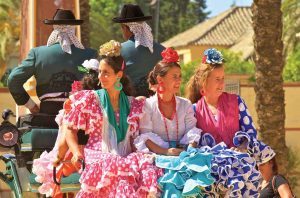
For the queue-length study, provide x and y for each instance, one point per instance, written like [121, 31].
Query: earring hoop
[118, 85]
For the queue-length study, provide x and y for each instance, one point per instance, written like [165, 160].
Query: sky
[218, 6]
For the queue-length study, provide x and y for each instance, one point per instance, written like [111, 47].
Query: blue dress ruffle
[234, 173]
[186, 174]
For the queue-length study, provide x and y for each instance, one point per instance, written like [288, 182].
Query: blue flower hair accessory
[212, 56]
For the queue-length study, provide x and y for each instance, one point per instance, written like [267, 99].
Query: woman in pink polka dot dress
[111, 118]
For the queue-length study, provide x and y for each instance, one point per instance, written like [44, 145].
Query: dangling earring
[118, 85]
[160, 88]
[202, 93]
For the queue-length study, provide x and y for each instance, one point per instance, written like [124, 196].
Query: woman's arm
[62, 150]
[285, 191]
[72, 141]
[245, 119]
[162, 151]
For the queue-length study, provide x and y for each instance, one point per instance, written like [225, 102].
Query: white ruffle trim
[193, 135]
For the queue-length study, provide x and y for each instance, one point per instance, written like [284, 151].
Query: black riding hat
[63, 17]
[131, 13]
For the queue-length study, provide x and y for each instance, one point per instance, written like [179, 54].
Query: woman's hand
[34, 109]
[239, 149]
[174, 151]
[133, 148]
[57, 161]
[76, 160]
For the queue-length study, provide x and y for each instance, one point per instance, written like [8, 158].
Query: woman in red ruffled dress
[43, 166]
[111, 118]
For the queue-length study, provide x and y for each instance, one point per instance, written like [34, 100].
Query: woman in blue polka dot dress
[228, 129]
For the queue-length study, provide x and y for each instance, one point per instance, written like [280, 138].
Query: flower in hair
[111, 48]
[212, 56]
[88, 65]
[169, 56]
[91, 64]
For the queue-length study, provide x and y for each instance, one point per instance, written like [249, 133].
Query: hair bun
[111, 48]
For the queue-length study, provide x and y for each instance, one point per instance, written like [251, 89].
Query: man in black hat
[54, 66]
[140, 52]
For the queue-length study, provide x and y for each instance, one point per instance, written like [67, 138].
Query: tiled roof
[225, 29]
[245, 45]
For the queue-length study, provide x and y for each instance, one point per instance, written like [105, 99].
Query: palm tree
[10, 13]
[291, 24]
[267, 24]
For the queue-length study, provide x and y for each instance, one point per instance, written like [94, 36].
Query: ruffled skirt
[109, 175]
[234, 172]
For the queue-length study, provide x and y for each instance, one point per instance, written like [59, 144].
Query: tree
[235, 64]
[85, 27]
[9, 30]
[291, 24]
[178, 15]
[267, 24]
[175, 17]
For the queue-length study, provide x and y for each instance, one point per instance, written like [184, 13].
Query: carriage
[30, 136]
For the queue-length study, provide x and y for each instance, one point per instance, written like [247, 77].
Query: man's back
[54, 70]
[139, 62]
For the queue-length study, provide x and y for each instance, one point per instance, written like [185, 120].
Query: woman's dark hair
[90, 81]
[161, 69]
[275, 166]
[116, 63]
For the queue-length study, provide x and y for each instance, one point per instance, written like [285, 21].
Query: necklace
[174, 114]
[166, 102]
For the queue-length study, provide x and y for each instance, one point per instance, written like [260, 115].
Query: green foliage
[3, 80]
[187, 71]
[174, 17]
[291, 24]
[179, 15]
[292, 67]
[9, 27]
[102, 27]
[293, 173]
[235, 65]
[10, 15]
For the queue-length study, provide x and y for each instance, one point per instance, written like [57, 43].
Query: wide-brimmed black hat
[63, 17]
[131, 13]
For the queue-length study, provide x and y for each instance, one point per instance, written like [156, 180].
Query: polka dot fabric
[248, 133]
[106, 174]
[65, 35]
[142, 34]
[245, 119]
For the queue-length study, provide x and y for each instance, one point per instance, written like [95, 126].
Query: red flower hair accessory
[169, 56]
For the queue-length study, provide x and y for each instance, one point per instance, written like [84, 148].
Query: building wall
[292, 112]
[6, 100]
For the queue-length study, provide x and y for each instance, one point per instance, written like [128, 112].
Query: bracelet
[59, 158]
